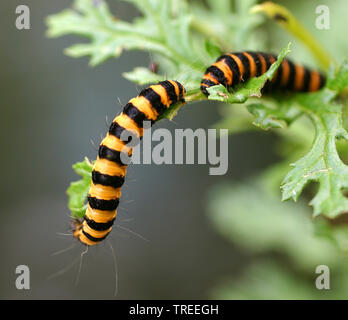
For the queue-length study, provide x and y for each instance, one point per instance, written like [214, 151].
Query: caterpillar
[233, 68]
[108, 172]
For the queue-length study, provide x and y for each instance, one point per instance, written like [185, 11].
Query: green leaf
[264, 116]
[322, 163]
[158, 31]
[285, 18]
[167, 29]
[337, 81]
[271, 280]
[109, 37]
[143, 76]
[251, 89]
[78, 190]
[283, 111]
[285, 235]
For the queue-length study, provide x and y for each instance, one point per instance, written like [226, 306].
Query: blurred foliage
[287, 20]
[185, 37]
[287, 245]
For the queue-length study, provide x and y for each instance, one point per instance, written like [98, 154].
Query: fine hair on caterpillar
[79, 259]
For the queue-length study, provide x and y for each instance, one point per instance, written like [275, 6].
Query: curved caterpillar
[109, 172]
[233, 68]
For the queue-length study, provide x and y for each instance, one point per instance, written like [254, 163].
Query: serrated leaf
[78, 190]
[322, 163]
[158, 31]
[109, 36]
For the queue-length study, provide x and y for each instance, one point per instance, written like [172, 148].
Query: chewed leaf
[78, 190]
[251, 89]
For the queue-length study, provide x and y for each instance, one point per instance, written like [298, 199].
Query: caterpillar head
[76, 228]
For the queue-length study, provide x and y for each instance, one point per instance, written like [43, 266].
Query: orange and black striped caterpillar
[109, 171]
[233, 68]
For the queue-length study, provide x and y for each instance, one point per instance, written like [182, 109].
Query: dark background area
[52, 106]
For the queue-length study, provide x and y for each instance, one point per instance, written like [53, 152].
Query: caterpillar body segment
[233, 68]
[108, 173]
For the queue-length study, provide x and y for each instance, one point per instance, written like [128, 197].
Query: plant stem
[194, 95]
[285, 18]
[191, 96]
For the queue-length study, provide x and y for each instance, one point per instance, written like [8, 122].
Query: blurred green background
[209, 236]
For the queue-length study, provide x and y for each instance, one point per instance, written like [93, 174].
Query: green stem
[285, 18]
[194, 95]
[191, 96]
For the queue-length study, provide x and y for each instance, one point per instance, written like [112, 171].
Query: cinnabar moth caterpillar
[233, 68]
[109, 171]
